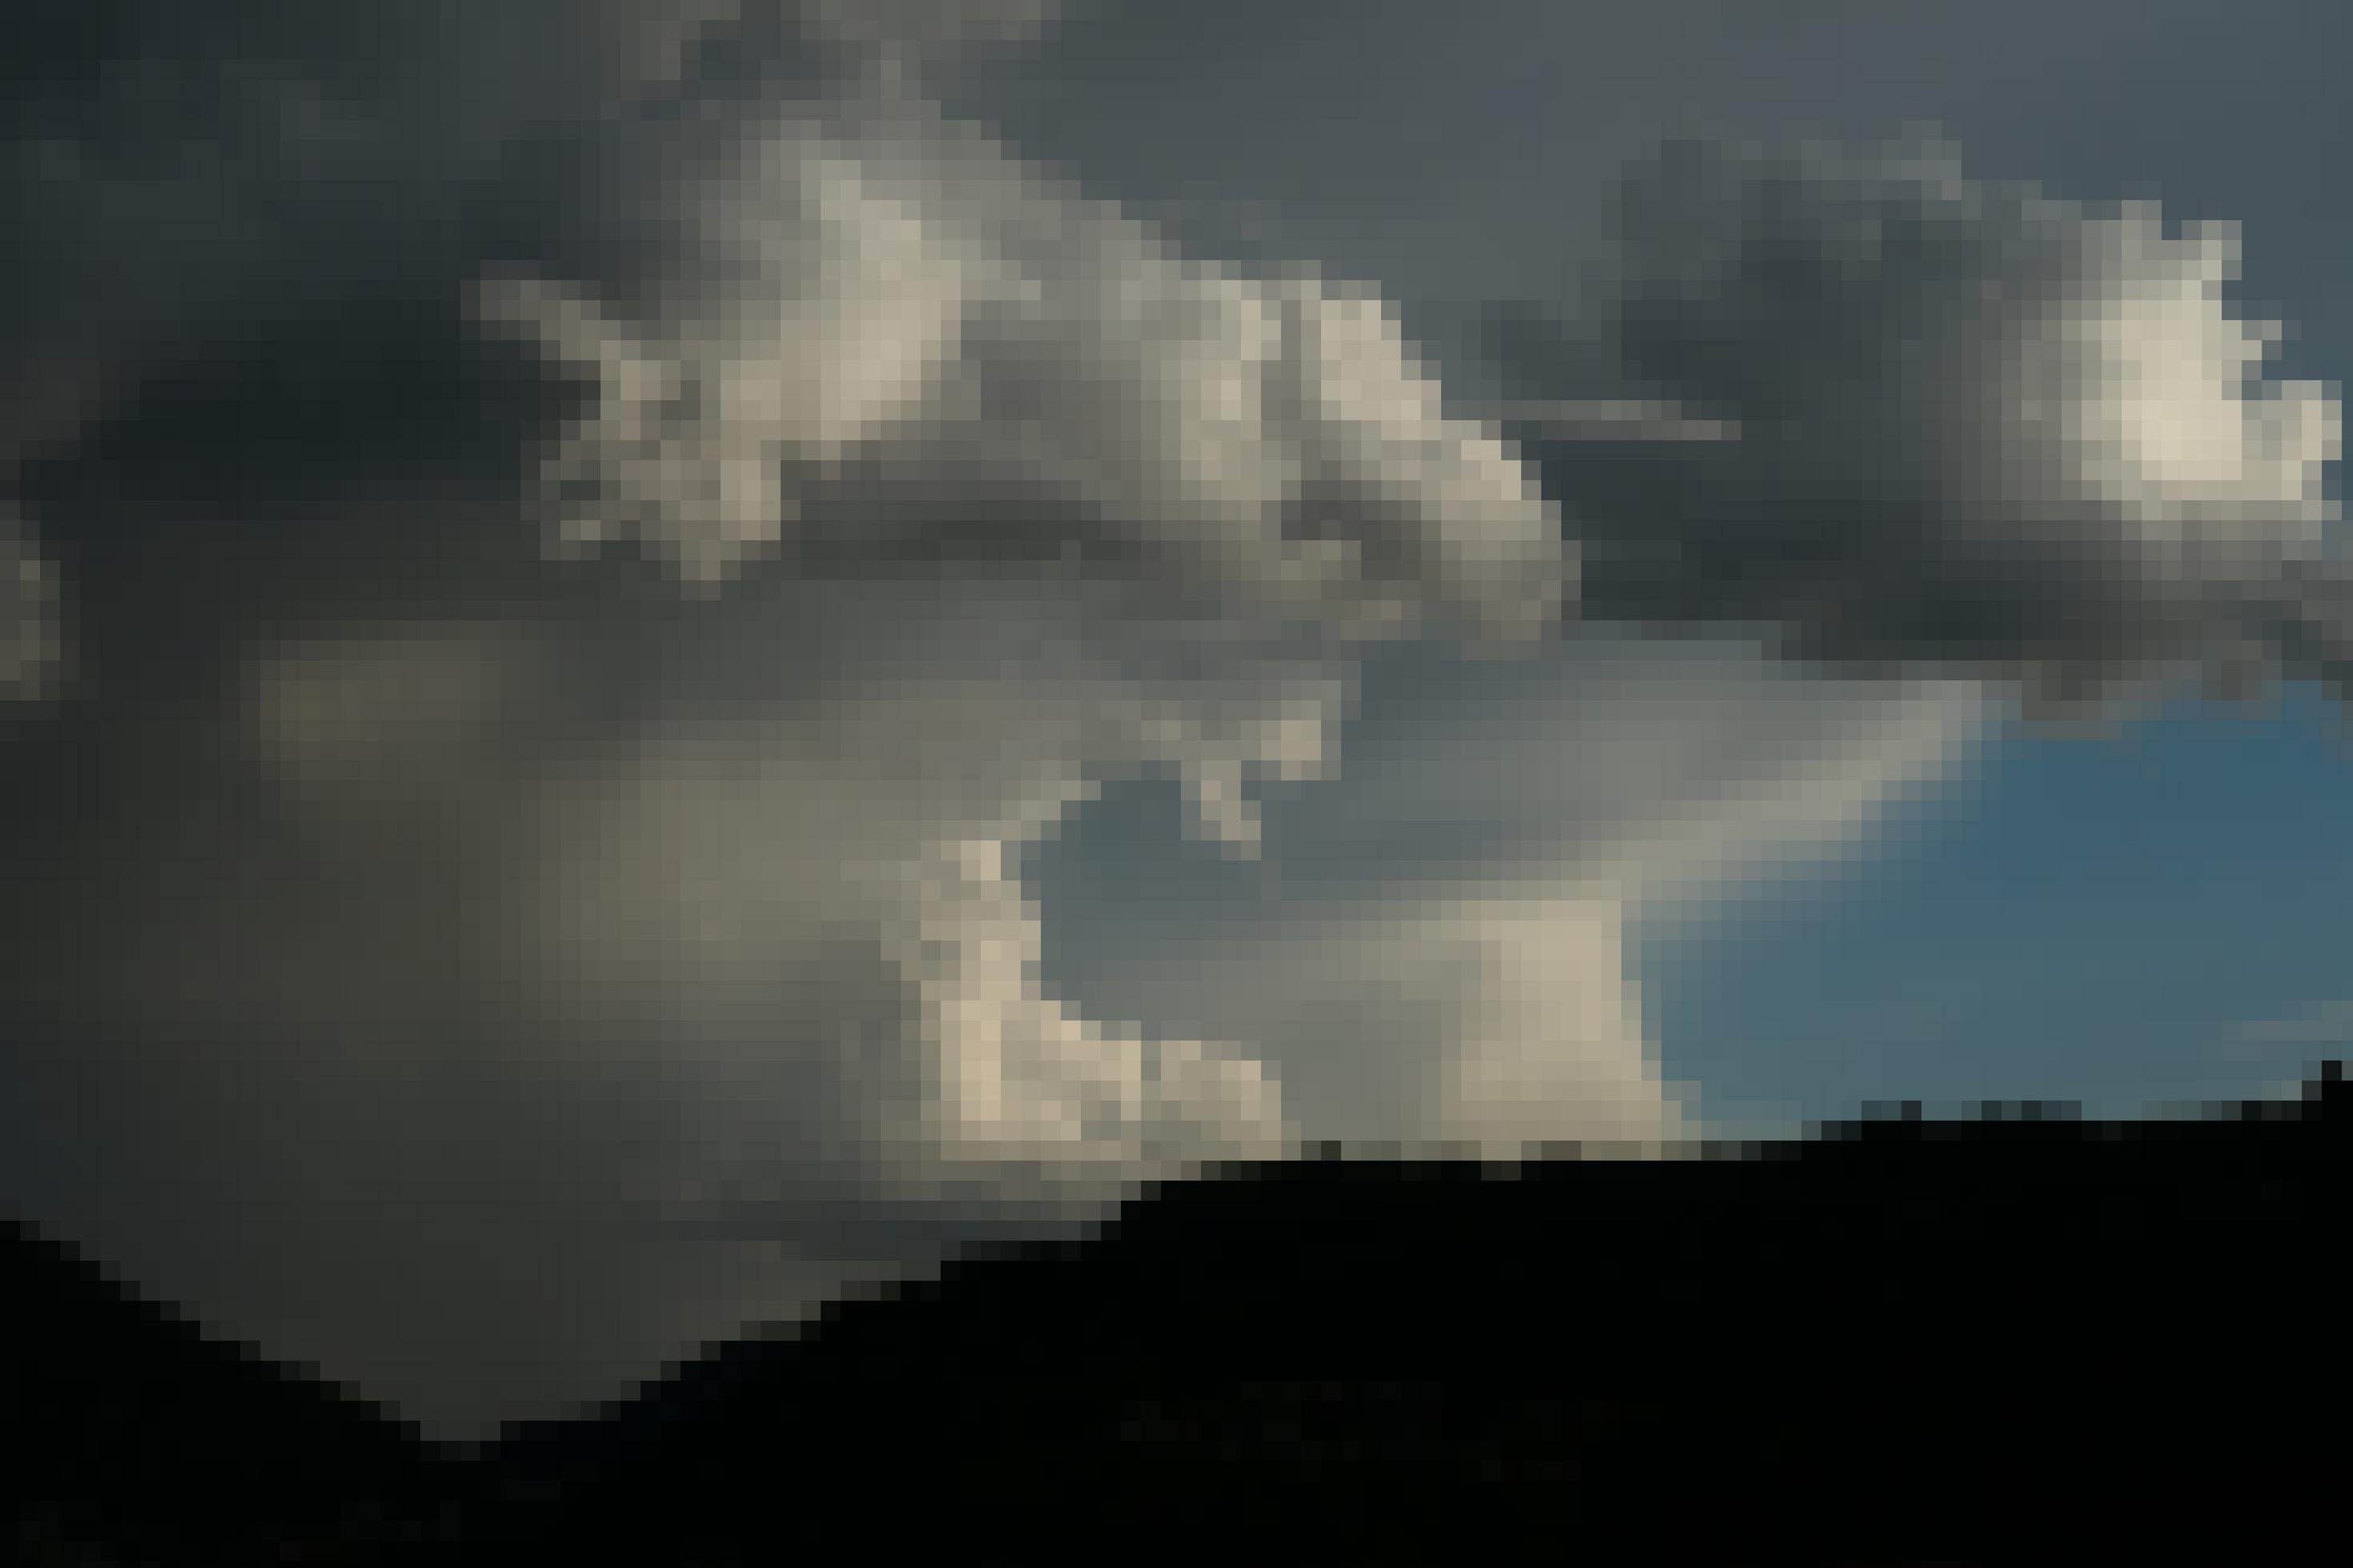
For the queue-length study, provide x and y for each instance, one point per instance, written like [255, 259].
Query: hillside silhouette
[2016, 1338]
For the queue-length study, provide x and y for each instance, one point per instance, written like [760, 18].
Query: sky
[664, 657]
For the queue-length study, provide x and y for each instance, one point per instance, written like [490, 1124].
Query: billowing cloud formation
[1066, 386]
[590, 569]
[1138, 507]
[1978, 427]
[449, 912]
[174, 169]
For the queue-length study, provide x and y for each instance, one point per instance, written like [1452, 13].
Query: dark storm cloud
[170, 169]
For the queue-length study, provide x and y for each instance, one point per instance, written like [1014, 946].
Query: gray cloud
[563, 710]
[1980, 428]
[175, 174]
[30, 648]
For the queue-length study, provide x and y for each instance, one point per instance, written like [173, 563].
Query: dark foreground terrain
[2001, 1341]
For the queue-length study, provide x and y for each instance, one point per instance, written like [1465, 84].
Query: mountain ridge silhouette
[2019, 1338]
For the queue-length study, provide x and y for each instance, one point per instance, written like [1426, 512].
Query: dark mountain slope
[1901, 1341]
[2002, 1342]
[133, 1437]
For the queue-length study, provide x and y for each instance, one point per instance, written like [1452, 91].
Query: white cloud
[1213, 485]
[1031, 375]
[1978, 427]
